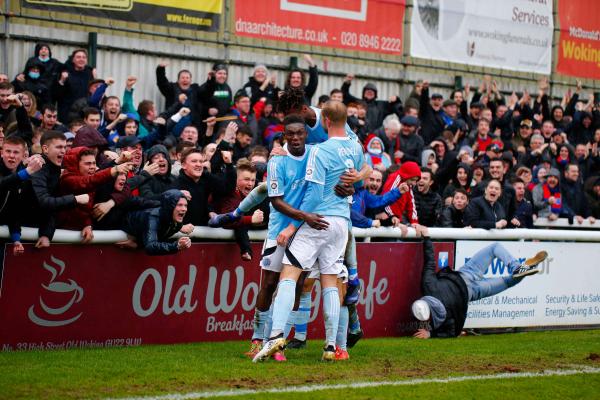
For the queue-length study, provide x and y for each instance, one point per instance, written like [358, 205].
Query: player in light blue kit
[326, 164]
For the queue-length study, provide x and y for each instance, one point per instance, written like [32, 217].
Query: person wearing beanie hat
[447, 293]
[215, 92]
[547, 197]
[261, 85]
[377, 110]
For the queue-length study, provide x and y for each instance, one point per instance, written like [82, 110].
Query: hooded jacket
[153, 228]
[376, 157]
[377, 110]
[73, 182]
[37, 86]
[406, 203]
[52, 67]
[153, 187]
[448, 287]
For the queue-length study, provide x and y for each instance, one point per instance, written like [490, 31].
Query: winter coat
[451, 218]
[72, 182]
[153, 228]
[75, 88]
[429, 207]
[52, 67]
[406, 203]
[153, 187]
[171, 90]
[448, 287]
[11, 184]
[377, 110]
[208, 184]
[362, 200]
[481, 214]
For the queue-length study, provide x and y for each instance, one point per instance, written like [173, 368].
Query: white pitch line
[359, 385]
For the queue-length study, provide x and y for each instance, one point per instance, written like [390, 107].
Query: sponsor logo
[56, 291]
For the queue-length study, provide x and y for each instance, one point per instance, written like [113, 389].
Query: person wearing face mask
[30, 80]
[42, 55]
[374, 155]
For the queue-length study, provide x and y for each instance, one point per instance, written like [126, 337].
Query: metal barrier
[202, 232]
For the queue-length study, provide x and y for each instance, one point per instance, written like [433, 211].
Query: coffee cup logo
[66, 293]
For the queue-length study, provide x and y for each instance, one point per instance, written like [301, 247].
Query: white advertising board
[508, 34]
[565, 292]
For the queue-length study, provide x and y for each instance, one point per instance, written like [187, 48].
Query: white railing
[564, 223]
[202, 232]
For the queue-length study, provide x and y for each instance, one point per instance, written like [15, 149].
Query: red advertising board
[579, 43]
[364, 25]
[100, 296]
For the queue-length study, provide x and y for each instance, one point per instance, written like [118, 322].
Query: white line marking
[359, 385]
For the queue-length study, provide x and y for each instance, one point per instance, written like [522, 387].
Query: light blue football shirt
[285, 177]
[326, 163]
[317, 134]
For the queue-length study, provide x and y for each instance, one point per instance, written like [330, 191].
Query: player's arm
[312, 198]
[314, 220]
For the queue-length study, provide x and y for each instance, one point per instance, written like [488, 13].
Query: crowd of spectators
[76, 158]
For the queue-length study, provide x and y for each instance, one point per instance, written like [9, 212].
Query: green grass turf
[154, 370]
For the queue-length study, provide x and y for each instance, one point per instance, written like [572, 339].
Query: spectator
[463, 179]
[523, 207]
[377, 110]
[153, 228]
[72, 83]
[374, 181]
[82, 177]
[430, 114]
[486, 211]
[375, 156]
[13, 174]
[41, 195]
[42, 55]
[453, 214]
[507, 194]
[296, 79]
[49, 120]
[389, 135]
[153, 187]
[246, 179]
[593, 196]
[363, 200]
[221, 96]
[404, 209]
[260, 85]
[30, 80]
[172, 90]
[547, 198]
[200, 183]
[574, 199]
[428, 203]
[411, 144]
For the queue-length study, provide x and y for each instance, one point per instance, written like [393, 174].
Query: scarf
[556, 208]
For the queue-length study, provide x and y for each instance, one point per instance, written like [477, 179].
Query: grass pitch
[204, 367]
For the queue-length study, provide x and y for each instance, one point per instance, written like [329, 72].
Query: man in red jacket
[81, 176]
[409, 173]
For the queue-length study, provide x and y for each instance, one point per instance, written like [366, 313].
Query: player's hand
[422, 334]
[285, 235]
[344, 190]
[316, 221]
[278, 151]
[349, 177]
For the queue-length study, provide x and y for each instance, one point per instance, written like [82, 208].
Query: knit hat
[553, 172]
